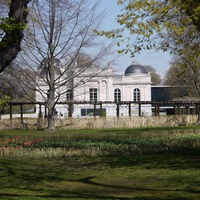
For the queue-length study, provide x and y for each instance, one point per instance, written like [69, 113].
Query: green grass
[96, 131]
[149, 176]
[117, 173]
[96, 142]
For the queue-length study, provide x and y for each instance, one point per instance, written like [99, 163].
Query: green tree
[184, 74]
[175, 78]
[3, 102]
[184, 77]
[150, 20]
[12, 25]
[184, 71]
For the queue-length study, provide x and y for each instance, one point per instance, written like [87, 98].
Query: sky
[159, 60]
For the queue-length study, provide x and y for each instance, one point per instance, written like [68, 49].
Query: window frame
[136, 94]
[117, 95]
[69, 95]
[93, 94]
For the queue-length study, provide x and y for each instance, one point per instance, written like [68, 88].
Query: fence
[173, 107]
[181, 113]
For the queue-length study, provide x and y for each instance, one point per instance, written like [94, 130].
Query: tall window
[93, 94]
[136, 94]
[117, 95]
[69, 95]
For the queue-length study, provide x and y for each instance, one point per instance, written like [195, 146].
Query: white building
[97, 85]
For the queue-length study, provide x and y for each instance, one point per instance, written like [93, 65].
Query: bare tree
[11, 80]
[60, 35]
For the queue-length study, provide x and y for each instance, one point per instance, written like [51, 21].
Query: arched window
[136, 94]
[69, 94]
[117, 95]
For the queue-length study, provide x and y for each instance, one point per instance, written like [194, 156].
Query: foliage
[184, 73]
[151, 20]
[4, 101]
[9, 25]
[170, 25]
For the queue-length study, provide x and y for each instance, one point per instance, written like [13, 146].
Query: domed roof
[135, 69]
[44, 67]
[44, 62]
[57, 72]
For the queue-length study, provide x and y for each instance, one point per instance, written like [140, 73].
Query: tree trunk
[51, 111]
[10, 43]
[198, 114]
[51, 122]
[198, 111]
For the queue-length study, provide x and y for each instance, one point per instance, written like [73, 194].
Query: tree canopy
[184, 76]
[150, 20]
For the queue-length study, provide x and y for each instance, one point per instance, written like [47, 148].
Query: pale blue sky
[158, 60]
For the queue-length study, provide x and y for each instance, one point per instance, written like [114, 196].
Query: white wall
[106, 83]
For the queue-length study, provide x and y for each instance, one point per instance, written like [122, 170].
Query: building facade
[96, 85]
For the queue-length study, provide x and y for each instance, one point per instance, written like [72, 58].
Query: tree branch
[10, 43]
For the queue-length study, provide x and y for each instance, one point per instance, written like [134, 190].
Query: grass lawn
[119, 172]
